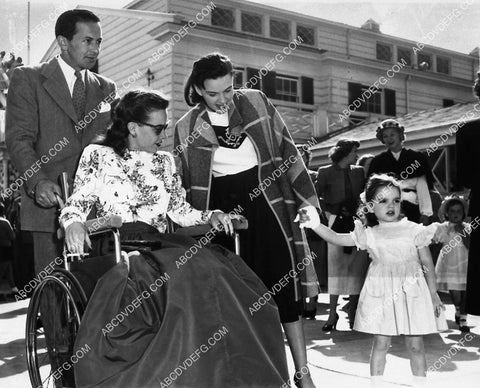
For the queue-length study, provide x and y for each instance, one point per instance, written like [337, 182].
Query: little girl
[399, 296]
[451, 268]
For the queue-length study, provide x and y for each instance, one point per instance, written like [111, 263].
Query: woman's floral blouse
[140, 186]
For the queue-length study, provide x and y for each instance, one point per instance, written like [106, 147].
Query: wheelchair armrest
[97, 225]
[240, 223]
[100, 224]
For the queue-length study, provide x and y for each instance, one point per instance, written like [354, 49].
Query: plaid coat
[286, 183]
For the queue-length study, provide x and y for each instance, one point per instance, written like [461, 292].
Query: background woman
[235, 150]
[145, 320]
[411, 168]
[340, 185]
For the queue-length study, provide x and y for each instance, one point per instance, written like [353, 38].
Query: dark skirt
[167, 321]
[263, 245]
[473, 273]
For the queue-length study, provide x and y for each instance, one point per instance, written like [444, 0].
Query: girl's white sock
[420, 381]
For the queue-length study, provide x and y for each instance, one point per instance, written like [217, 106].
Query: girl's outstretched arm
[429, 272]
[342, 239]
[309, 219]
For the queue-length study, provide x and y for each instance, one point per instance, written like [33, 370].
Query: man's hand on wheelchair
[75, 237]
[222, 221]
[45, 191]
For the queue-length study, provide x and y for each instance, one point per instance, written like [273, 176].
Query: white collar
[220, 119]
[396, 155]
[69, 73]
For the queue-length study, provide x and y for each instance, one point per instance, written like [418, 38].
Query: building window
[443, 65]
[404, 55]
[424, 61]
[381, 102]
[251, 23]
[279, 29]
[238, 77]
[307, 34]
[223, 17]
[286, 88]
[384, 52]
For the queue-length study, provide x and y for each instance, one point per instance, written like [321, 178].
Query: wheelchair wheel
[49, 357]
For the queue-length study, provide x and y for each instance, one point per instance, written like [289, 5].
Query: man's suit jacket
[42, 135]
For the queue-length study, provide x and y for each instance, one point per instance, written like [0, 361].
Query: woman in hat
[340, 185]
[451, 268]
[410, 167]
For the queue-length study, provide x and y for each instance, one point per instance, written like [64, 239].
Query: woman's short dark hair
[66, 24]
[342, 149]
[376, 181]
[210, 66]
[134, 106]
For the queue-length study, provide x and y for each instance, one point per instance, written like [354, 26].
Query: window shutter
[354, 92]
[390, 102]
[269, 84]
[253, 81]
[307, 90]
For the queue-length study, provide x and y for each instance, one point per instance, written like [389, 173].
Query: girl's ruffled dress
[395, 299]
[451, 268]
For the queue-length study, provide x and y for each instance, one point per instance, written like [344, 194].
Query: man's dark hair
[67, 22]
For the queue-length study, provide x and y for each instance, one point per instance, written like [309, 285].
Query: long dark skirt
[473, 273]
[162, 323]
[263, 245]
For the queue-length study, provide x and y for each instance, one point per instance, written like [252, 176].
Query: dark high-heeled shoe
[331, 326]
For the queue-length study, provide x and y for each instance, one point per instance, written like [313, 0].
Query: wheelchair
[51, 365]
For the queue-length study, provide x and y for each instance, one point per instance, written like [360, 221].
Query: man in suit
[43, 134]
[53, 111]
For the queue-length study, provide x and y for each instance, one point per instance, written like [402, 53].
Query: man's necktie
[78, 96]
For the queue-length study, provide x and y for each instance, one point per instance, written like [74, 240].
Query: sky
[405, 19]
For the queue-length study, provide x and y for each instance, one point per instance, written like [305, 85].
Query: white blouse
[140, 186]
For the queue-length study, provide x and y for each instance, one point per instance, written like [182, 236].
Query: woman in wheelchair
[180, 315]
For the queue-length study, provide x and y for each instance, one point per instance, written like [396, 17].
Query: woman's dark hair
[134, 106]
[342, 149]
[376, 181]
[66, 24]
[210, 66]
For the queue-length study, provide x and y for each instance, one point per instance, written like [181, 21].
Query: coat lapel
[201, 124]
[56, 85]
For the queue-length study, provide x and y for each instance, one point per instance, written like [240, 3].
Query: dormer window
[384, 52]
[279, 29]
[443, 65]
[223, 17]
[251, 23]
[307, 34]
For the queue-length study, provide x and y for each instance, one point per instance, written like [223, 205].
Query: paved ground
[338, 360]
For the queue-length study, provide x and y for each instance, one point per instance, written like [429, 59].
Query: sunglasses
[157, 128]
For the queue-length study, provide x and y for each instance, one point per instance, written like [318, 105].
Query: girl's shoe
[463, 325]
[331, 326]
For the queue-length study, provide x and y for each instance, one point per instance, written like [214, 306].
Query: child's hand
[438, 306]
[308, 217]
